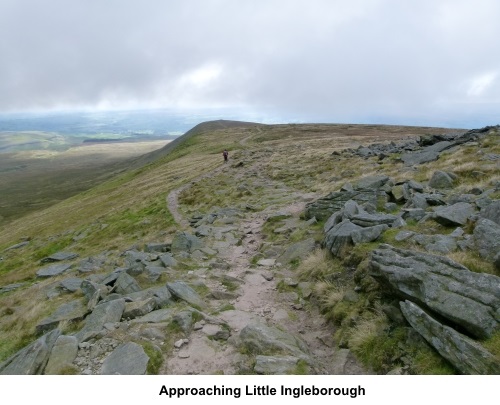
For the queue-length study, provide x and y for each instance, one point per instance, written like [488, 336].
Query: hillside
[269, 264]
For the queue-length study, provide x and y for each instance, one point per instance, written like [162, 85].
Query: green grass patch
[155, 358]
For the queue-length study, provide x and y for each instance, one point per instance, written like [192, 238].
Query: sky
[426, 62]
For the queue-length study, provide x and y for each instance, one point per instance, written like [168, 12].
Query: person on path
[226, 155]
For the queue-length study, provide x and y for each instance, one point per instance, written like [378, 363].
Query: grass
[129, 207]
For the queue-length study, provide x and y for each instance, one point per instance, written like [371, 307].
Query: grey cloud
[341, 60]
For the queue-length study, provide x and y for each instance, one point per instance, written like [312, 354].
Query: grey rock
[33, 358]
[182, 291]
[168, 260]
[339, 238]
[390, 207]
[441, 244]
[153, 273]
[73, 311]
[334, 219]
[89, 288]
[324, 207]
[414, 185]
[185, 242]
[126, 284]
[365, 235]
[404, 235]
[465, 298]
[71, 284]
[185, 321]
[298, 250]
[62, 355]
[259, 339]
[371, 182]
[157, 247]
[135, 269]
[53, 270]
[275, 365]
[91, 264]
[492, 212]
[367, 220]
[351, 208]
[59, 257]
[454, 215]
[158, 316]
[413, 213]
[440, 180]
[161, 295]
[465, 354]
[419, 201]
[496, 261]
[487, 238]
[109, 312]
[217, 332]
[137, 309]
[127, 359]
[11, 287]
[398, 193]
[18, 245]
[223, 295]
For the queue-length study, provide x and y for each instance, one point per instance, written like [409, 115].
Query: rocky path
[257, 298]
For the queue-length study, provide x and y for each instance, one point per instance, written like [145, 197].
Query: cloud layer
[426, 62]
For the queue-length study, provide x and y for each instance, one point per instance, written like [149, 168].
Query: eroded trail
[262, 320]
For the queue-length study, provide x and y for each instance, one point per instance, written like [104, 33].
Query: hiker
[225, 154]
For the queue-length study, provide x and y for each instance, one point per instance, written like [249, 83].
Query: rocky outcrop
[465, 354]
[127, 359]
[33, 358]
[471, 301]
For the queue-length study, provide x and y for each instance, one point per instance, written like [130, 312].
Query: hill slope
[247, 215]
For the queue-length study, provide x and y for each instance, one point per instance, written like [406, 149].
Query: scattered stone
[73, 311]
[297, 250]
[487, 238]
[492, 212]
[365, 235]
[339, 238]
[441, 180]
[109, 312]
[17, 246]
[71, 284]
[138, 308]
[11, 287]
[266, 262]
[126, 284]
[157, 247]
[216, 332]
[454, 215]
[185, 242]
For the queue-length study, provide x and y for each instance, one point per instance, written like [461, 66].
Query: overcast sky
[421, 62]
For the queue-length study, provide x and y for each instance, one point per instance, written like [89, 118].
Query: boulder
[33, 358]
[465, 354]
[470, 300]
[454, 215]
[71, 284]
[367, 220]
[127, 359]
[168, 260]
[492, 212]
[109, 312]
[185, 242]
[53, 270]
[441, 180]
[126, 284]
[487, 238]
[298, 250]
[339, 238]
[365, 235]
[59, 257]
[259, 339]
[62, 355]
[371, 182]
[182, 291]
[137, 309]
[324, 207]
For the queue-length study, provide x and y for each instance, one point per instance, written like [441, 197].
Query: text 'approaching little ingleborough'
[262, 390]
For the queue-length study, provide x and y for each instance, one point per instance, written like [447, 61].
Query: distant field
[31, 180]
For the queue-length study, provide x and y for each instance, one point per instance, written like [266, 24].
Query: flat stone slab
[127, 359]
[182, 291]
[158, 316]
[70, 312]
[275, 365]
[53, 270]
[71, 284]
[59, 257]
[11, 287]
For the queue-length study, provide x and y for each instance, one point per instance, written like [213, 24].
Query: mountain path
[258, 296]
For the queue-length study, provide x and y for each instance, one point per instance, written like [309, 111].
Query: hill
[269, 264]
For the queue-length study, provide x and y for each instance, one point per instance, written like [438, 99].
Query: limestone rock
[138, 308]
[109, 312]
[441, 180]
[126, 284]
